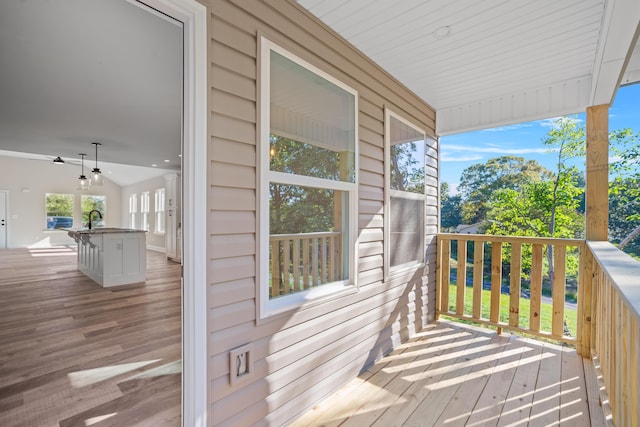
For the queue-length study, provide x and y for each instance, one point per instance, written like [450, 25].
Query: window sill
[283, 306]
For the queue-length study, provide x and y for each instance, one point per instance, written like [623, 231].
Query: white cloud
[495, 150]
[551, 123]
[444, 157]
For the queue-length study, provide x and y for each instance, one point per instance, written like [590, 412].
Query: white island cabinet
[112, 256]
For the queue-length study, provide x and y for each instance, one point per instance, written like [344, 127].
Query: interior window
[59, 210]
[89, 203]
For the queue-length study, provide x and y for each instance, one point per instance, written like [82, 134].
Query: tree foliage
[478, 182]
[450, 209]
[297, 209]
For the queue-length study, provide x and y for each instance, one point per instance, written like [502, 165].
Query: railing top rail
[622, 270]
[512, 239]
[304, 235]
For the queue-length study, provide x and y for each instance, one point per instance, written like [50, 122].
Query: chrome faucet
[90, 216]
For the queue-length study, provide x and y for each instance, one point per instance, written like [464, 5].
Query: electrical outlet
[240, 364]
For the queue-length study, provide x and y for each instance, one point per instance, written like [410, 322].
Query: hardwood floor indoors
[75, 354]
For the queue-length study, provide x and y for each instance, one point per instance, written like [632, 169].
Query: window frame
[390, 271]
[46, 214]
[103, 212]
[159, 209]
[144, 209]
[133, 209]
[266, 307]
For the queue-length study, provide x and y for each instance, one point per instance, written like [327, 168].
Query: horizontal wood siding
[303, 355]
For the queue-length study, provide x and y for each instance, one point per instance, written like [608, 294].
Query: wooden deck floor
[455, 375]
[75, 354]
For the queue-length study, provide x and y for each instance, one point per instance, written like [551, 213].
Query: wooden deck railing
[615, 329]
[301, 261]
[515, 319]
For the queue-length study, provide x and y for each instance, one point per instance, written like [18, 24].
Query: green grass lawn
[570, 315]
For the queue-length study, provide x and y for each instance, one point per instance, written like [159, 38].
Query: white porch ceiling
[502, 61]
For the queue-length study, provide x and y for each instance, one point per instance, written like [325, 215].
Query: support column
[597, 197]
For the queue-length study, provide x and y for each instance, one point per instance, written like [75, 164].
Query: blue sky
[525, 139]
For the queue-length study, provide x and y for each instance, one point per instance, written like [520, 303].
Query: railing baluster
[514, 285]
[286, 283]
[305, 262]
[536, 288]
[461, 279]
[445, 275]
[314, 262]
[275, 268]
[296, 265]
[332, 258]
[558, 292]
[478, 264]
[496, 281]
[323, 268]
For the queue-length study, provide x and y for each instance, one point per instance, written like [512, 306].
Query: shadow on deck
[454, 374]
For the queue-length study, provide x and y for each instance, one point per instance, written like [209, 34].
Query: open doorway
[193, 231]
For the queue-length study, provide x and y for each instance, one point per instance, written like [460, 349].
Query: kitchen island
[111, 256]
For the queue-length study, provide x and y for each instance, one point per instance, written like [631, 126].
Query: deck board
[74, 353]
[460, 375]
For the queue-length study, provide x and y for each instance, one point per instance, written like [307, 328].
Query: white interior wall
[27, 182]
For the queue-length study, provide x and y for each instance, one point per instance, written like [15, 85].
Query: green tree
[297, 209]
[59, 205]
[478, 182]
[89, 203]
[450, 209]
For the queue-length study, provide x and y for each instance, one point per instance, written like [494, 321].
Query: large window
[133, 209]
[59, 210]
[144, 209]
[308, 182]
[159, 209]
[405, 195]
[89, 203]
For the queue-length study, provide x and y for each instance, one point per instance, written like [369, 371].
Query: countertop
[102, 230]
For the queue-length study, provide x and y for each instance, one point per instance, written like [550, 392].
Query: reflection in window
[59, 210]
[309, 151]
[406, 211]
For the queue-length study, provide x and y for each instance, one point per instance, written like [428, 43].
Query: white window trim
[159, 210]
[133, 209]
[269, 307]
[144, 209]
[398, 269]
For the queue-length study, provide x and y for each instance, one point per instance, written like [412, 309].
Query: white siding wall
[304, 355]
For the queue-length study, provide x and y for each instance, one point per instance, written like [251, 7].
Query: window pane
[312, 123]
[308, 238]
[89, 203]
[407, 230]
[407, 157]
[59, 210]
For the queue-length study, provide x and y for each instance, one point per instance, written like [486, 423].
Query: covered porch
[456, 374]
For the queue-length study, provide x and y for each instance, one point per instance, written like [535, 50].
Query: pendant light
[58, 161]
[83, 182]
[96, 174]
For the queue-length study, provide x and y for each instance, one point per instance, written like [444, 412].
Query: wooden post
[597, 197]
[597, 210]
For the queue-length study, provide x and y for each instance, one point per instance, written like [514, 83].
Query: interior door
[3, 218]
